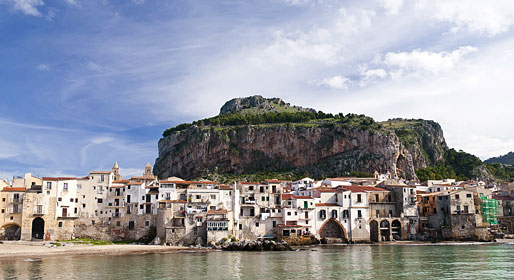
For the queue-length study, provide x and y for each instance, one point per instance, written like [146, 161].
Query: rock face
[314, 149]
[259, 103]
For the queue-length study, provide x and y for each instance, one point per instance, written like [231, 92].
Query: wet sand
[38, 249]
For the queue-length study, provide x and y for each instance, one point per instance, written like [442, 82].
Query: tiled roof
[217, 212]
[225, 187]
[11, 189]
[323, 189]
[287, 196]
[121, 181]
[505, 197]
[302, 197]
[363, 189]
[326, 204]
[58, 178]
[249, 183]
[173, 201]
[291, 226]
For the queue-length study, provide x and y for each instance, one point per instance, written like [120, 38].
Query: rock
[198, 241]
[156, 241]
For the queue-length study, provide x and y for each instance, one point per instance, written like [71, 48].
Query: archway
[12, 232]
[385, 230]
[38, 228]
[396, 229]
[373, 231]
[333, 229]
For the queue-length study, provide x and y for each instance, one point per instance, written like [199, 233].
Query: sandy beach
[38, 249]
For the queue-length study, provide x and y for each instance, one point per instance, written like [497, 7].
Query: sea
[426, 261]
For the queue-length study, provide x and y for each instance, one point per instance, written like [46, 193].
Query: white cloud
[28, 7]
[95, 67]
[336, 82]
[71, 2]
[491, 17]
[43, 67]
[138, 2]
[418, 62]
[392, 7]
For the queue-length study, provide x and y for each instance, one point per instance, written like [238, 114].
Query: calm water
[340, 262]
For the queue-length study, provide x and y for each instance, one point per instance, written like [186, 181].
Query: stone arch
[38, 228]
[332, 228]
[373, 231]
[11, 231]
[396, 229]
[385, 230]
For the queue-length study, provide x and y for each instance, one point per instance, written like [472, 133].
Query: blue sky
[87, 83]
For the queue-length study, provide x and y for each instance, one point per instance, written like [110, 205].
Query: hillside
[505, 159]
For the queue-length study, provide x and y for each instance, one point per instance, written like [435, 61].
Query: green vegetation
[458, 165]
[505, 159]
[463, 166]
[501, 172]
[315, 118]
[88, 241]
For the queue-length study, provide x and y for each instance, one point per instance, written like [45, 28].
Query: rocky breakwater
[257, 245]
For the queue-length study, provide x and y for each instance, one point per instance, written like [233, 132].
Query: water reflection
[335, 262]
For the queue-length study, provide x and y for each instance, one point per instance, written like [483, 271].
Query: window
[65, 187]
[274, 223]
[48, 185]
[59, 199]
[198, 196]
[92, 222]
[213, 196]
[60, 224]
[102, 178]
[306, 215]
[359, 198]
[288, 213]
[199, 219]
[147, 223]
[100, 200]
[256, 224]
[83, 205]
[468, 195]
[261, 189]
[141, 206]
[76, 210]
[322, 214]
[79, 187]
[118, 223]
[458, 208]
[285, 232]
[263, 198]
[466, 209]
[334, 214]
[359, 214]
[71, 199]
[456, 196]
[240, 226]
[250, 188]
[131, 225]
[345, 214]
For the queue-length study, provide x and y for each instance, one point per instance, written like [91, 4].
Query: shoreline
[28, 250]
[33, 250]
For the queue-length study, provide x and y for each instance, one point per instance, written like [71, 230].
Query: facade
[103, 205]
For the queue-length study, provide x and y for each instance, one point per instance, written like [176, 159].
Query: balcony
[16, 201]
[119, 204]
[38, 210]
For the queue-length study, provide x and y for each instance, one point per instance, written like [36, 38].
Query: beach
[40, 249]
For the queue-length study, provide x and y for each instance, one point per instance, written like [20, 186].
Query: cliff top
[258, 104]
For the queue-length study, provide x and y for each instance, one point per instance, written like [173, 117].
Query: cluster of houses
[105, 206]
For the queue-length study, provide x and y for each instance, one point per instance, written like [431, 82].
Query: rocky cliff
[311, 143]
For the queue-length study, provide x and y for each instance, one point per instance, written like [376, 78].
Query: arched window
[334, 214]
[322, 214]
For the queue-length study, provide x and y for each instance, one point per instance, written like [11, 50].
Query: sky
[86, 83]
